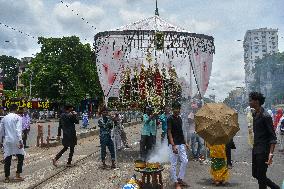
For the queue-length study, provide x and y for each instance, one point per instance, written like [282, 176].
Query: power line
[17, 30]
[76, 13]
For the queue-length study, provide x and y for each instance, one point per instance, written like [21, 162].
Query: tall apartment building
[257, 43]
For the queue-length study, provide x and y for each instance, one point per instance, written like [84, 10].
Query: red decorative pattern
[105, 65]
[158, 83]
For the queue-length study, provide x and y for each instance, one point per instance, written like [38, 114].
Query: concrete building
[236, 98]
[22, 67]
[258, 43]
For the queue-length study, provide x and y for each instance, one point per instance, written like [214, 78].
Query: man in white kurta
[11, 139]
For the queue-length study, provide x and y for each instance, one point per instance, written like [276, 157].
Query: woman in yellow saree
[219, 169]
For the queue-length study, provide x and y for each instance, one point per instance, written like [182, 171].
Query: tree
[64, 71]
[10, 67]
[270, 69]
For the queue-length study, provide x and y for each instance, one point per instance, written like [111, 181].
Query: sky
[226, 20]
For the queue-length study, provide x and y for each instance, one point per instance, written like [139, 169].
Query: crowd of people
[174, 127]
[15, 126]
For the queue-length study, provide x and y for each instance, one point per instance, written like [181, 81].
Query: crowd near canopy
[154, 42]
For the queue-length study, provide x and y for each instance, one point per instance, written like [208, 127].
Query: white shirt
[11, 134]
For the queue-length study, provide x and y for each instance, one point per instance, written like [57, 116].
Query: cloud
[194, 25]
[71, 23]
[132, 15]
[226, 21]
[24, 16]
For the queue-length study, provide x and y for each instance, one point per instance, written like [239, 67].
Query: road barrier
[53, 141]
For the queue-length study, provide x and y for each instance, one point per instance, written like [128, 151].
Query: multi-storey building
[22, 67]
[257, 44]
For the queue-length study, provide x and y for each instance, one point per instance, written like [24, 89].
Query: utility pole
[30, 95]
[157, 10]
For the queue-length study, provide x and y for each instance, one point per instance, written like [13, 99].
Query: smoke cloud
[160, 153]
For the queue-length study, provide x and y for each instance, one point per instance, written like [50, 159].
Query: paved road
[198, 175]
[54, 129]
[87, 174]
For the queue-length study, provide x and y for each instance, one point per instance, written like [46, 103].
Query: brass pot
[140, 164]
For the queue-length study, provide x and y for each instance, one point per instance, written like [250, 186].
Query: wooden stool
[151, 179]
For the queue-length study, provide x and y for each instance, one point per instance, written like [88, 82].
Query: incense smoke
[160, 153]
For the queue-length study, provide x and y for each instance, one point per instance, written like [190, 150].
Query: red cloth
[277, 117]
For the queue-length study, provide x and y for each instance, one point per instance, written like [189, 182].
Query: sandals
[19, 179]
[6, 180]
[177, 185]
[68, 165]
[182, 183]
[54, 162]
[104, 166]
[113, 166]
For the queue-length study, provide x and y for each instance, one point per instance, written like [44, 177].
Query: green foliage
[159, 40]
[10, 94]
[10, 66]
[274, 65]
[64, 71]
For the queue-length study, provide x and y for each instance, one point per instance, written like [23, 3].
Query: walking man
[11, 133]
[229, 146]
[177, 146]
[106, 124]
[119, 133]
[264, 141]
[26, 125]
[67, 122]
[85, 120]
[194, 137]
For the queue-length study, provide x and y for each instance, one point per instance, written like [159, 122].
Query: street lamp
[31, 78]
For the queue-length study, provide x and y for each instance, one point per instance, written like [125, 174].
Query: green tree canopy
[274, 65]
[9, 66]
[64, 71]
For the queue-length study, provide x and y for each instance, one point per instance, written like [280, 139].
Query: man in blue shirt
[148, 133]
[105, 124]
[163, 119]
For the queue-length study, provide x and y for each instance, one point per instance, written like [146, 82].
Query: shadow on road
[208, 182]
[126, 156]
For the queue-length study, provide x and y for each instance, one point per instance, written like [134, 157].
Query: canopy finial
[157, 10]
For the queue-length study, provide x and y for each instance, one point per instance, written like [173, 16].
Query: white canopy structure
[154, 41]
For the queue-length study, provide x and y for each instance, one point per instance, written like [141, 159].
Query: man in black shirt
[264, 141]
[177, 146]
[67, 122]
